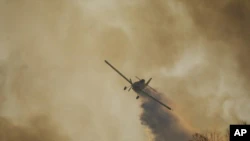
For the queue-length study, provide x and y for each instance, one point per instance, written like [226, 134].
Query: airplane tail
[148, 81]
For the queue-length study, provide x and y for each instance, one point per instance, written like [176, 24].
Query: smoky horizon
[54, 84]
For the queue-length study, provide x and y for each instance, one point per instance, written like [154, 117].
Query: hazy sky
[54, 84]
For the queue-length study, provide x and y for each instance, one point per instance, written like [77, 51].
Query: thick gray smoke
[213, 79]
[164, 124]
[51, 64]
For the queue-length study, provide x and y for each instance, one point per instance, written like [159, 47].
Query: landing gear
[137, 97]
[125, 88]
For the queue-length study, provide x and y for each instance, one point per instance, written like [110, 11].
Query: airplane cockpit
[137, 86]
[142, 81]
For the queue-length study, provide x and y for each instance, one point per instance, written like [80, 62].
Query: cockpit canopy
[142, 81]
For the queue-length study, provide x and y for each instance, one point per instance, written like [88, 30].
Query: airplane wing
[129, 81]
[156, 100]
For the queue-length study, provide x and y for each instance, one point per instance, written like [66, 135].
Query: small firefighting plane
[138, 86]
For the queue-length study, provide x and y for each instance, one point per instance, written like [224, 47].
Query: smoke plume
[51, 65]
[162, 123]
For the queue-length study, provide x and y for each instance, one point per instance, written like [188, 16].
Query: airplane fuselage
[139, 85]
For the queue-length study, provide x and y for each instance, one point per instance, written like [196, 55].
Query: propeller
[130, 85]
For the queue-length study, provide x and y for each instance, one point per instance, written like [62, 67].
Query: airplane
[138, 86]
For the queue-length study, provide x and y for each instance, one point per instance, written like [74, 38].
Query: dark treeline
[213, 135]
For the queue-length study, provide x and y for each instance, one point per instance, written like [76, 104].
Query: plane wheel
[137, 97]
